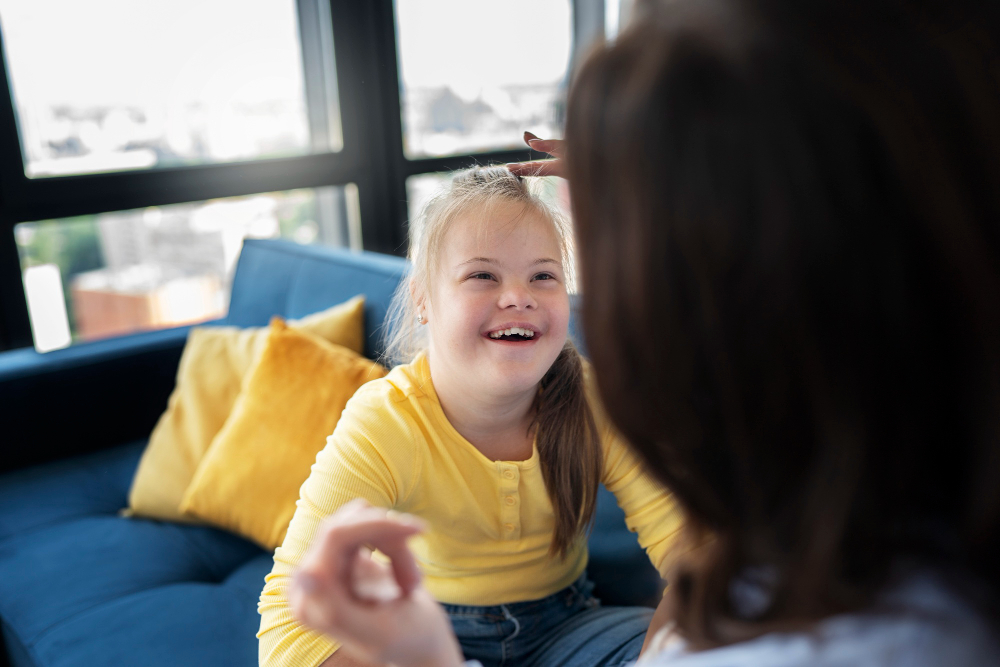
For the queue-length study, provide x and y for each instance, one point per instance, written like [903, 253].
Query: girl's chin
[508, 378]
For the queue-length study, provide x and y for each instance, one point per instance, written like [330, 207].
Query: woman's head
[488, 256]
[795, 317]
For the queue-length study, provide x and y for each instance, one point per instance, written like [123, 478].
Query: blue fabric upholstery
[70, 489]
[78, 385]
[95, 588]
[84, 586]
[189, 623]
[282, 278]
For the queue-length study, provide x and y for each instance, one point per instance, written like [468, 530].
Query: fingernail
[528, 136]
[306, 582]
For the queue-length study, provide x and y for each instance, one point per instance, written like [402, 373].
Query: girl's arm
[354, 464]
[650, 510]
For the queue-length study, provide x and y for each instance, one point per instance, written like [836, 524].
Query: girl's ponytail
[569, 448]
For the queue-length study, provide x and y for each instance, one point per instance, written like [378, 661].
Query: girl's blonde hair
[566, 435]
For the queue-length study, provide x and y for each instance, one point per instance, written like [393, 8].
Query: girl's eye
[545, 276]
[481, 276]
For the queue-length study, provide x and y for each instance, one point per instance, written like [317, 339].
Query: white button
[510, 500]
[508, 526]
[509, 474]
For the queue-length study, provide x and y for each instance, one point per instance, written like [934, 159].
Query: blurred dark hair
[788, 219]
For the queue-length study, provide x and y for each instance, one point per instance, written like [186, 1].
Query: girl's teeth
[527, 333]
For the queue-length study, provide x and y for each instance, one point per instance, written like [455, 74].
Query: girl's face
[498, 310]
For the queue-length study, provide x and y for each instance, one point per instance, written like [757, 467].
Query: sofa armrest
[83, 398]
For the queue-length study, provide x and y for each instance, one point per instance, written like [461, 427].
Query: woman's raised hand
[554, 167]
[379, 613]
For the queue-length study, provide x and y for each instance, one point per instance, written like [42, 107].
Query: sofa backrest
[276, 277]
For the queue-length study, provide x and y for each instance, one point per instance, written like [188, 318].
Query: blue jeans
[567, 628]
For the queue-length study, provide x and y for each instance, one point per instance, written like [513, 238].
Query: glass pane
[475, 75]
[116, 85]
[116, 273]
[616, 17]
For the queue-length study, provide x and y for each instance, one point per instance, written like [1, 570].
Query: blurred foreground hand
[379, 613]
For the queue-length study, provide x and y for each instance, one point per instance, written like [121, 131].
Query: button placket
[510, 511]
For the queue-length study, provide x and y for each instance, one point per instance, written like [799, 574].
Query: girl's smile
[514, 332]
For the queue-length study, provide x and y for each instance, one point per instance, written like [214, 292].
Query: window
[120, 272]
[116, 84]
[131, 126]
[475, 75]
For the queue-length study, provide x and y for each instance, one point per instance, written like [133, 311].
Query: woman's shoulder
[921, 621]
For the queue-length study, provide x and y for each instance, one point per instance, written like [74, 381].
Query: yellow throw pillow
[212, 369]
[248, 481]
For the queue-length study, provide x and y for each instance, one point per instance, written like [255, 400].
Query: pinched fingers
[379, 612]
[337, 574]
[355, 526]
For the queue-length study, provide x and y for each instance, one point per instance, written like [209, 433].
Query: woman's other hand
[380, 613]
[554, 167]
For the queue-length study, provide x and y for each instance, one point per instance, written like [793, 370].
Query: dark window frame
[364, 45]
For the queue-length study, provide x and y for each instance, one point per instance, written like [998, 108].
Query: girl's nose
[517, 296]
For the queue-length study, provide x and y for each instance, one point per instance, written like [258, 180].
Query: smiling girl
[490, 434]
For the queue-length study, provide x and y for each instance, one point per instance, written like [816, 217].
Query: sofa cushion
[68, 554]
[212, 370]
[82, 486]
[189, 624]
[66, 569]
[248, 481]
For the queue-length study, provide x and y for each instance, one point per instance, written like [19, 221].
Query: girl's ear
[418, 301]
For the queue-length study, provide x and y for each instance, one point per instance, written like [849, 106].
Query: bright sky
[144, 52]
[465, 43]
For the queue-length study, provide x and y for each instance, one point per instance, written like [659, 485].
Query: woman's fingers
[356, 526]
[372, 581]
[554, 147]
[537, 168]
[378, 611]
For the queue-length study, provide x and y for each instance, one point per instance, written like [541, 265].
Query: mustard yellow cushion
[248, 481]
[212, 369]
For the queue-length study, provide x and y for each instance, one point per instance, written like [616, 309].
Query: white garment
[920, 623]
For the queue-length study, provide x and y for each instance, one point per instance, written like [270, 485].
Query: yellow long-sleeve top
[490, 522]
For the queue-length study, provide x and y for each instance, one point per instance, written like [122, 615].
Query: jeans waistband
[582, 587]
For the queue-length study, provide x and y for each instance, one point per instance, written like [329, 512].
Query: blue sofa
[81, 585]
